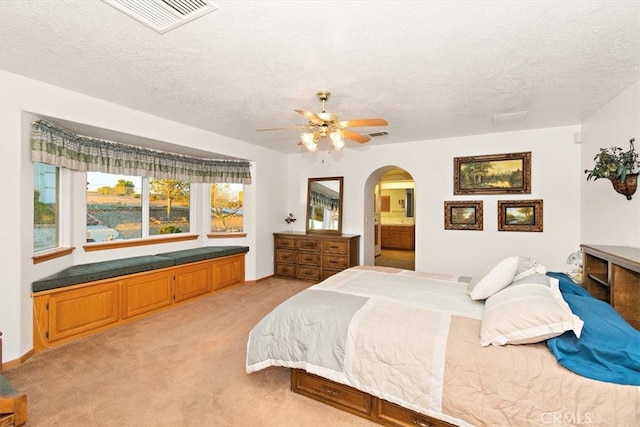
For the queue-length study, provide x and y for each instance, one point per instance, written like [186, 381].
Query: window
[168, 206]
[227, 214]
[116, 207]
[45, 207]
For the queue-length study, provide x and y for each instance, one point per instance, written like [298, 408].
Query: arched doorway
[389, 237]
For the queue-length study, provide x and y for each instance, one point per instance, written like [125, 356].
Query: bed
[407, 348]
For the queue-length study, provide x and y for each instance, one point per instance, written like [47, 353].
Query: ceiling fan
[322, 125]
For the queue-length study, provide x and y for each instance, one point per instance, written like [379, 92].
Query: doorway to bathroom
[394, 220]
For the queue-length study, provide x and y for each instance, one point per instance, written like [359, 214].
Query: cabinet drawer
[285, 256]
[311, 273]
[312, 245]
[334, 247]
[397, 415]
[328, 391]
[285, 242]
[285, 270]
[331, 261]
[309, 258]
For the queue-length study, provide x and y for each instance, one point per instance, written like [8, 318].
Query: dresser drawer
[309, 258]
[330, 392]
[335, 247]
[309, 273]
[285, 256]
[285, 242]
[286, 270]
[311, 245]
[335, 262]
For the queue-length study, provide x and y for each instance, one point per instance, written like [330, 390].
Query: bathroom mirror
[324, 205]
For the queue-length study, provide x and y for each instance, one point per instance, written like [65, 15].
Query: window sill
[52, 254]
[117, 244]
[226, 235]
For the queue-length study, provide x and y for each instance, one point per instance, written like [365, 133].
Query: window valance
[323, 201]
[59, 147]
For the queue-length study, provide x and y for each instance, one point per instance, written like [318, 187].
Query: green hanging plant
[614, 163]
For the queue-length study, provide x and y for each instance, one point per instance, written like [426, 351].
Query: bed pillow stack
[523, 305]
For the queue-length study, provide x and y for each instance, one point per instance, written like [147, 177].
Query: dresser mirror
[324, 205]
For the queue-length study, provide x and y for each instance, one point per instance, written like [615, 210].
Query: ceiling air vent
[382, 133]
[163, 15]
[509, 117]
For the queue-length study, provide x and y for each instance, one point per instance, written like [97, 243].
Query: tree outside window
[227, 215]
[169, 206]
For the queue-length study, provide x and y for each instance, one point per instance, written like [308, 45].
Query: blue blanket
[608, 349]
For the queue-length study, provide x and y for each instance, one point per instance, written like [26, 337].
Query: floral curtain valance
[56, 146]
[323, 201]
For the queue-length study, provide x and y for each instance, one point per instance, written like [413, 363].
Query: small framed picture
[465, 215]
[519, 215]
[492, 174]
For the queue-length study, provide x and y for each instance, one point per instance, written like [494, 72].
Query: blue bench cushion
[201, 254]
[6, 389]
[83, 273]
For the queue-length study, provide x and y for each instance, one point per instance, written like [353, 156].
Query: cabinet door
[228, 271]
[146, 293]
[192, 281]
[78, 311]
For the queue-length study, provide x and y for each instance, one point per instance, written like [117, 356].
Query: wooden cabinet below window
[314, 256]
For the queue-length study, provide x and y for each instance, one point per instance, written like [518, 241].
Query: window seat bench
[84, 299]
[13, 405]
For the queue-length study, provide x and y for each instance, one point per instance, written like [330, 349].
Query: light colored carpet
[181, 367]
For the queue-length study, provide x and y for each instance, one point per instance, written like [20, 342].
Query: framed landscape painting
[463, 215]
[520, 215]
[493, 174]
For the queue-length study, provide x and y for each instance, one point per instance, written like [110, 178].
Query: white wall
[556, 176]
[22, 99]
[608, 217]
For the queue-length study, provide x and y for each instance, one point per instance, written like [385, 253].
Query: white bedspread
[413, 339]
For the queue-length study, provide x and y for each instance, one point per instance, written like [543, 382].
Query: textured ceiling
[433, 68]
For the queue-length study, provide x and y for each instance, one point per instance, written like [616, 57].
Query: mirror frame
[340, 179]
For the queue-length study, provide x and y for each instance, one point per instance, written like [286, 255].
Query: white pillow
[492, 277]
[527, 313]
[527, 267]
[532, 279]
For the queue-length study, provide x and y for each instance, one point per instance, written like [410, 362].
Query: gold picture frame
[520, 215]
[463, 215]
[492, 174]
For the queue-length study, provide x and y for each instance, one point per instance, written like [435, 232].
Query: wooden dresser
[612, 274]
[314, 256]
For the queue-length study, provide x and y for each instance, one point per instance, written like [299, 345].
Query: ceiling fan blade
[312, 117]
[285, 127]
[355, 136]
[363, 122]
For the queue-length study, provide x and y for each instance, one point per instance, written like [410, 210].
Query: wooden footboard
[358, 402]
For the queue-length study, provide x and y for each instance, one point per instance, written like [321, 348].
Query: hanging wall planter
[618, 166]
[626, 187]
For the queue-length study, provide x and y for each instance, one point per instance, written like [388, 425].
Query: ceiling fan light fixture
[310, 141]
[337, 139]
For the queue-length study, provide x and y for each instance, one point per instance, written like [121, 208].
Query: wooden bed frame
[358, 402]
